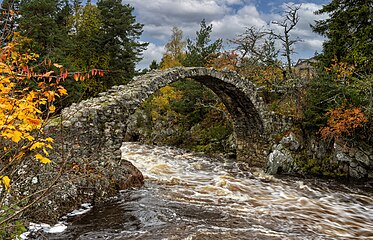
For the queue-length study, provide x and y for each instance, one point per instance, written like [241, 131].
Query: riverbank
[341, 158]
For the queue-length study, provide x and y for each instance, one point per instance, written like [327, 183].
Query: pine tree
[154, 65]
[349, 30]
[118, 39]
[39, 21]
[344, 86]
[200, 51]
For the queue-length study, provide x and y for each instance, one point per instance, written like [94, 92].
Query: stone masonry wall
[97, 126]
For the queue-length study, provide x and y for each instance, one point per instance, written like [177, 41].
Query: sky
[228, 17]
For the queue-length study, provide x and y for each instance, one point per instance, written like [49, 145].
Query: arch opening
[235, 95]
[100, 125]
[185, 114]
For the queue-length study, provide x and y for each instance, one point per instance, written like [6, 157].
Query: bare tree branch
[289, 22]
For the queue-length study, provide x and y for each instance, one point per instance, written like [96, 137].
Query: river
[194, 197]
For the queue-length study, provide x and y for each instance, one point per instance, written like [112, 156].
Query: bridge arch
[96, 128]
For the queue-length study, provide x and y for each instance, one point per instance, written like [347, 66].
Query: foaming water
[191, 196]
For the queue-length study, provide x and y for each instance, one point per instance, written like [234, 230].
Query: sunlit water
[190, 196]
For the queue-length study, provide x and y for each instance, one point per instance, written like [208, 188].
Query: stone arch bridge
[94, 129]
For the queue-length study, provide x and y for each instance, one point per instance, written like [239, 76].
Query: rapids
[192, 196]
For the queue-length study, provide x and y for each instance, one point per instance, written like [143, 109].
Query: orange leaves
[340, 70]
[343, 121]
[52, 109]
[224, 61]
[76, 76]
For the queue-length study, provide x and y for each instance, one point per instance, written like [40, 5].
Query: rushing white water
[192, 196]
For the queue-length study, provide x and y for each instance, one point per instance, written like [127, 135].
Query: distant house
[305, 69]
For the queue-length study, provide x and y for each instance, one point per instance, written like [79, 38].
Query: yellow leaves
[169, 61]
[14, 135]
[50, 95]
[30, 138]
[167, 94]
[5, 180]
[24, 106]
[162, 101]
[57, 65]
[37, 145]
[42, 159]
[27, 100]
[52, 109]
[43, 146]
[61, 91]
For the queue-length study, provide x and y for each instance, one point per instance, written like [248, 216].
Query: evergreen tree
[85, 25]
[118, 40]
[153, 65]
[345, 84]
[349, 30]
[103, 36]
[200, 51]
[39, 20]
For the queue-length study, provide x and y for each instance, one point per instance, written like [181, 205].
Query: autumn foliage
[26, 99]
[343, 121]
[224, 61]
[29, 89]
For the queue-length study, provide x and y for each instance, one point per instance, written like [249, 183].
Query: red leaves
[95, 72]
[81, 76]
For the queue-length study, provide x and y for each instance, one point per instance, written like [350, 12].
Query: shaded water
[190, 196]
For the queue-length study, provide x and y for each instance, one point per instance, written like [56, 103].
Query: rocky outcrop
[358, 158]
[280, 159]
[343, 158]
[75, 181]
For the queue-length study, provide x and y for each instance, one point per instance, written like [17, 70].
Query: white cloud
[229, 18]
[315, 44]
[177, 12]
[231, 25]
[153, 52]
